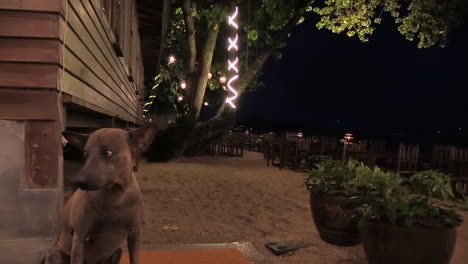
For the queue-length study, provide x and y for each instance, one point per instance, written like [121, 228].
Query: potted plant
[407, 221]
[330, 203]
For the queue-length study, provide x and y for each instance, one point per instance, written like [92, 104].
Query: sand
[221, 199]
[224, 199]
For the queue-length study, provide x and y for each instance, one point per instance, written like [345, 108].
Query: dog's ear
[142, 137]
[76, 139]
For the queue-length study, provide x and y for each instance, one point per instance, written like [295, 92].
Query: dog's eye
[107, 153]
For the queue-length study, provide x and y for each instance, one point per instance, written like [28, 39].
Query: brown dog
[107, 209]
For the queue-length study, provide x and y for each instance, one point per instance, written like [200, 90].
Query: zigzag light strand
[232, 66]
[151, 97]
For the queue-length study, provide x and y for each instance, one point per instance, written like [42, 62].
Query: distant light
[224, 87]
[206, 103]
[152, 96]
[222, 79]
[145, 110]
[180, 98]
[438, 131]
[348, 137]
[210, 75]
[459, 128]
[300, 134]
[183, 85]
[171, 59]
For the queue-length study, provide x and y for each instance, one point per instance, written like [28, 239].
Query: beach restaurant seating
[230, 145]
[254, 142]
[458, 168]
[441, 156]
[408, 156]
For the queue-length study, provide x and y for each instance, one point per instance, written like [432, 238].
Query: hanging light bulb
[222, 79]
[171, 59]
[209, 75]
[183, 85]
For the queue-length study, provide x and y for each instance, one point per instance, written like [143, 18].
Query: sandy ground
[221, 199]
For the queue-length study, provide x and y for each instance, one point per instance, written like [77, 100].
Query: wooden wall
[103, 68]
[95, 76]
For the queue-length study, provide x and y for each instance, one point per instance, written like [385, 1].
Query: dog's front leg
[77, 249]
[133, 243]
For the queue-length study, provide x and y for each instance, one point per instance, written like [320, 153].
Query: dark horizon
[330, 81]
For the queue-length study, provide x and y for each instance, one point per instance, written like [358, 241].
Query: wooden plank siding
[31, 54]
[90, 58]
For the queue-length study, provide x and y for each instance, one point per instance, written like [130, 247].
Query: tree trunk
[253, 70]
[204, 64]
[192, 46]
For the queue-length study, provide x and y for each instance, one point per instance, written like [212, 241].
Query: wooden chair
[302, 153]
[441, 156]
[458, 168]
[377, 146]
[408, 156]
[357, 150]
[254, 142]
[236, 144]
[330, 147]
[273, 151]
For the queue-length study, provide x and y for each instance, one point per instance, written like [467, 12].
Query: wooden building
[65, 64]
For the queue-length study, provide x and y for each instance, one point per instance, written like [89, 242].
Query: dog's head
[110, 155]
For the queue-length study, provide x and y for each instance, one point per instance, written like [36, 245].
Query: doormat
[200, 256]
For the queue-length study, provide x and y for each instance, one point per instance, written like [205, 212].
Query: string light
[183, 85]
[148, 103]
[152, 96]
[206, 103]
[145, 110]
[233, 43]
[209, 75]
[171, 59]
[180, 98]
[222, 79]
[232, 65]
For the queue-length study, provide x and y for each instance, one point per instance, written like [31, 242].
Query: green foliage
[386, 196]
[429, 21]
[354, 17]
[335, 175]
[432, 183]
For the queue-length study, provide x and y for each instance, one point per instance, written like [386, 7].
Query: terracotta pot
[332, 216]
[390, 244]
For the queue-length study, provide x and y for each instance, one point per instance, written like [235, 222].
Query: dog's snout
[80, 183]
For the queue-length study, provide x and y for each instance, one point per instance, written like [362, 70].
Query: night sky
[325, 80]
